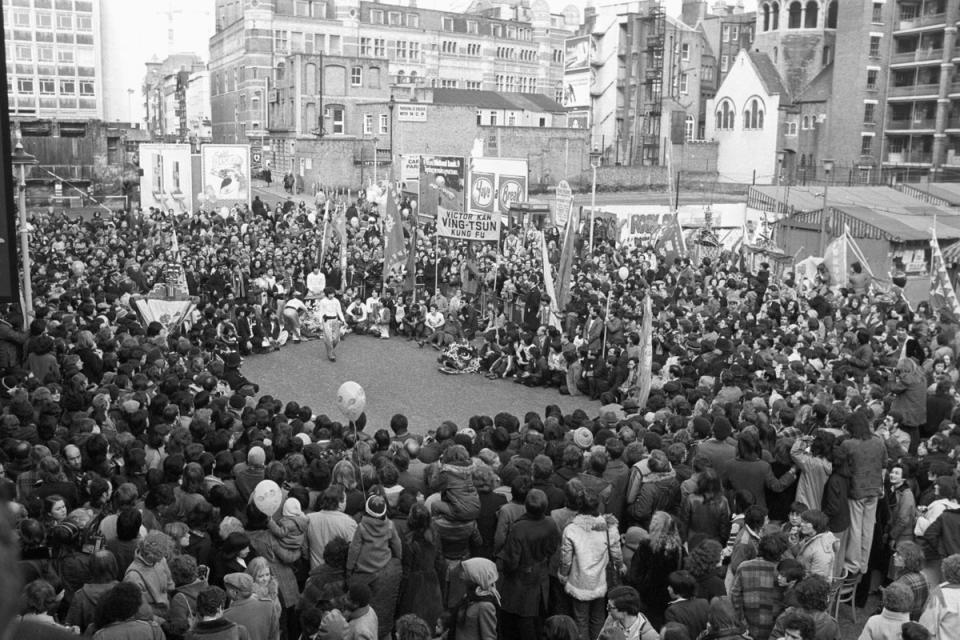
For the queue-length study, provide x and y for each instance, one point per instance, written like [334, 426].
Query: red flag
[942, 296]
[394, 248]
[564, 283]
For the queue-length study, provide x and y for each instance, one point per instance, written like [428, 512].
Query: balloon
[413, 205]
[351, 399]
[267, 497]
[624, 273]
[355, 222]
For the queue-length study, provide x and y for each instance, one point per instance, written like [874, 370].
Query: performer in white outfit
[331, 314]
[293, 312]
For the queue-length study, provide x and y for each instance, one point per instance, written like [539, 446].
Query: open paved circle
[398, 377]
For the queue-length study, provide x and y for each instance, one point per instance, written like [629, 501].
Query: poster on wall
[442, 182]
[496, 183]
[576, 53]
[167, 181]
[226, 174]
[410, 175]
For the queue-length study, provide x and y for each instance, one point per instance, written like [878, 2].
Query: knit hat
[376, 507]
[292, 508]
[583, 438]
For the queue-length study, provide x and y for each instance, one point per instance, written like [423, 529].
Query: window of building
[401, 50]
[734, 32]
[685, 51]
[447, 23]
[296, 42]
[479, 117]
[806, 122]
[376, 16]
[795, 15]
[811, 14]
[336, 45]
[873, 75]
[84, 23]
[25, 85]
[725, 116]
[724, 63]
[866, 145]
[493, 118]
[44, 20]
[683, 83]
[877, 13]
[68, 87]
[874, 46]
[766, 17]
[356, 76]
[366, 46]
[64, 21]
[753, 114]
[280, 43]
[24, 53]
[832, 15]
[706, 72]
[869, 113]
[337, 119]
[384, 123]
[689, 128]
[511, 32]
[473, 85]
[395, 19]
[790, 128]
[726, 33]
[65, 56]
[413, 20]
[47, 86]
[497, 30]
[473, 27]
[379, 48]
[415, 51]
[368, 124]
[775, 16]
[511, 119]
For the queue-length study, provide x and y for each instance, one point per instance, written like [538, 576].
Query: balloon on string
[351, 399]
[267, 497]
[413, 205]
[623, 272]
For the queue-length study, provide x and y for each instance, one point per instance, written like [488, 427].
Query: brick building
[513, 46]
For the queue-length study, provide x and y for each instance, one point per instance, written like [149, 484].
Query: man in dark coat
[531, 308]
[524, 563]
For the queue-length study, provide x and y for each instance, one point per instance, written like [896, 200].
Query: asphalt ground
[398, 377]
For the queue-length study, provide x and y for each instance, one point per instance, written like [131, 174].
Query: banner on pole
[564, 204]
[468, 225]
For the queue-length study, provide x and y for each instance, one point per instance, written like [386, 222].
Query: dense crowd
[798, 444]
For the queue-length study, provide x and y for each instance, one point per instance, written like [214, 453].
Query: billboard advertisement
[167, 181]
[495, 183]
[226, 174]
[410, 175]
[576, 53]
[442, 182]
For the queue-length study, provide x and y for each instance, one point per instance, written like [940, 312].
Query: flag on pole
[669, 240]
[646, 353]
[942, 296]
[327, 232]
[411, 281]
[548, 284]
[566, 259]
[394, 248]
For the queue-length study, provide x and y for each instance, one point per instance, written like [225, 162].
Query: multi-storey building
[54, 67]
[176, 94]
[636, 75]
[921, 128]
[508, 46]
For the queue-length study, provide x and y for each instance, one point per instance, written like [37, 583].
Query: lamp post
[23, 161]
[827, 170]
[390, 106]
[595, 156]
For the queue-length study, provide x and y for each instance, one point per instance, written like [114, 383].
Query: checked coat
[756, 597]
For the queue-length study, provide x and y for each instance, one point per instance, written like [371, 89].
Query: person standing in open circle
[331, 314]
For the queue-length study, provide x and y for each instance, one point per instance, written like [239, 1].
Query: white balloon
[267, 497]
[624, 273]
[352, 399]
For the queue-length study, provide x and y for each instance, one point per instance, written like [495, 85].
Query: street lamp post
[827, 170]
[23, 161]
[595, 156]
[390, 106]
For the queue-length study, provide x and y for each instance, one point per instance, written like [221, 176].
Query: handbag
[613, 571]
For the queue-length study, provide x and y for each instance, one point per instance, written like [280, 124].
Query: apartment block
[176, 95]
[505, 46]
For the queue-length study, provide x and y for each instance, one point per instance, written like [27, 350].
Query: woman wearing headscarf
[475, 618]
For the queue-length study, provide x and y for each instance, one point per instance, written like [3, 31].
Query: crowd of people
[799, 440]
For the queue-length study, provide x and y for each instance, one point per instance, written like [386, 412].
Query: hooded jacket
[374, 543]
[817, 554]
[584, 554]
[943, 534]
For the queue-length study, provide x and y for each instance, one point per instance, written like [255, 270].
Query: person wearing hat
[259, 617]
[475, 617]
[375, 542]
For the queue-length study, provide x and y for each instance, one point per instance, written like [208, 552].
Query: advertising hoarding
[167, 181]
[442, 182]
[226, 174]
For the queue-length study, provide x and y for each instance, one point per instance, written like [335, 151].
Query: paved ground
[398, 377]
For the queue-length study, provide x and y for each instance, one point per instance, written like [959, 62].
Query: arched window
[753, 114]
[832, 15]
[766, 17]
[794, 18]
[280, 69]
[775, 14]
[689, 127]
[725, 115]
[810, 19]
[806, 122]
